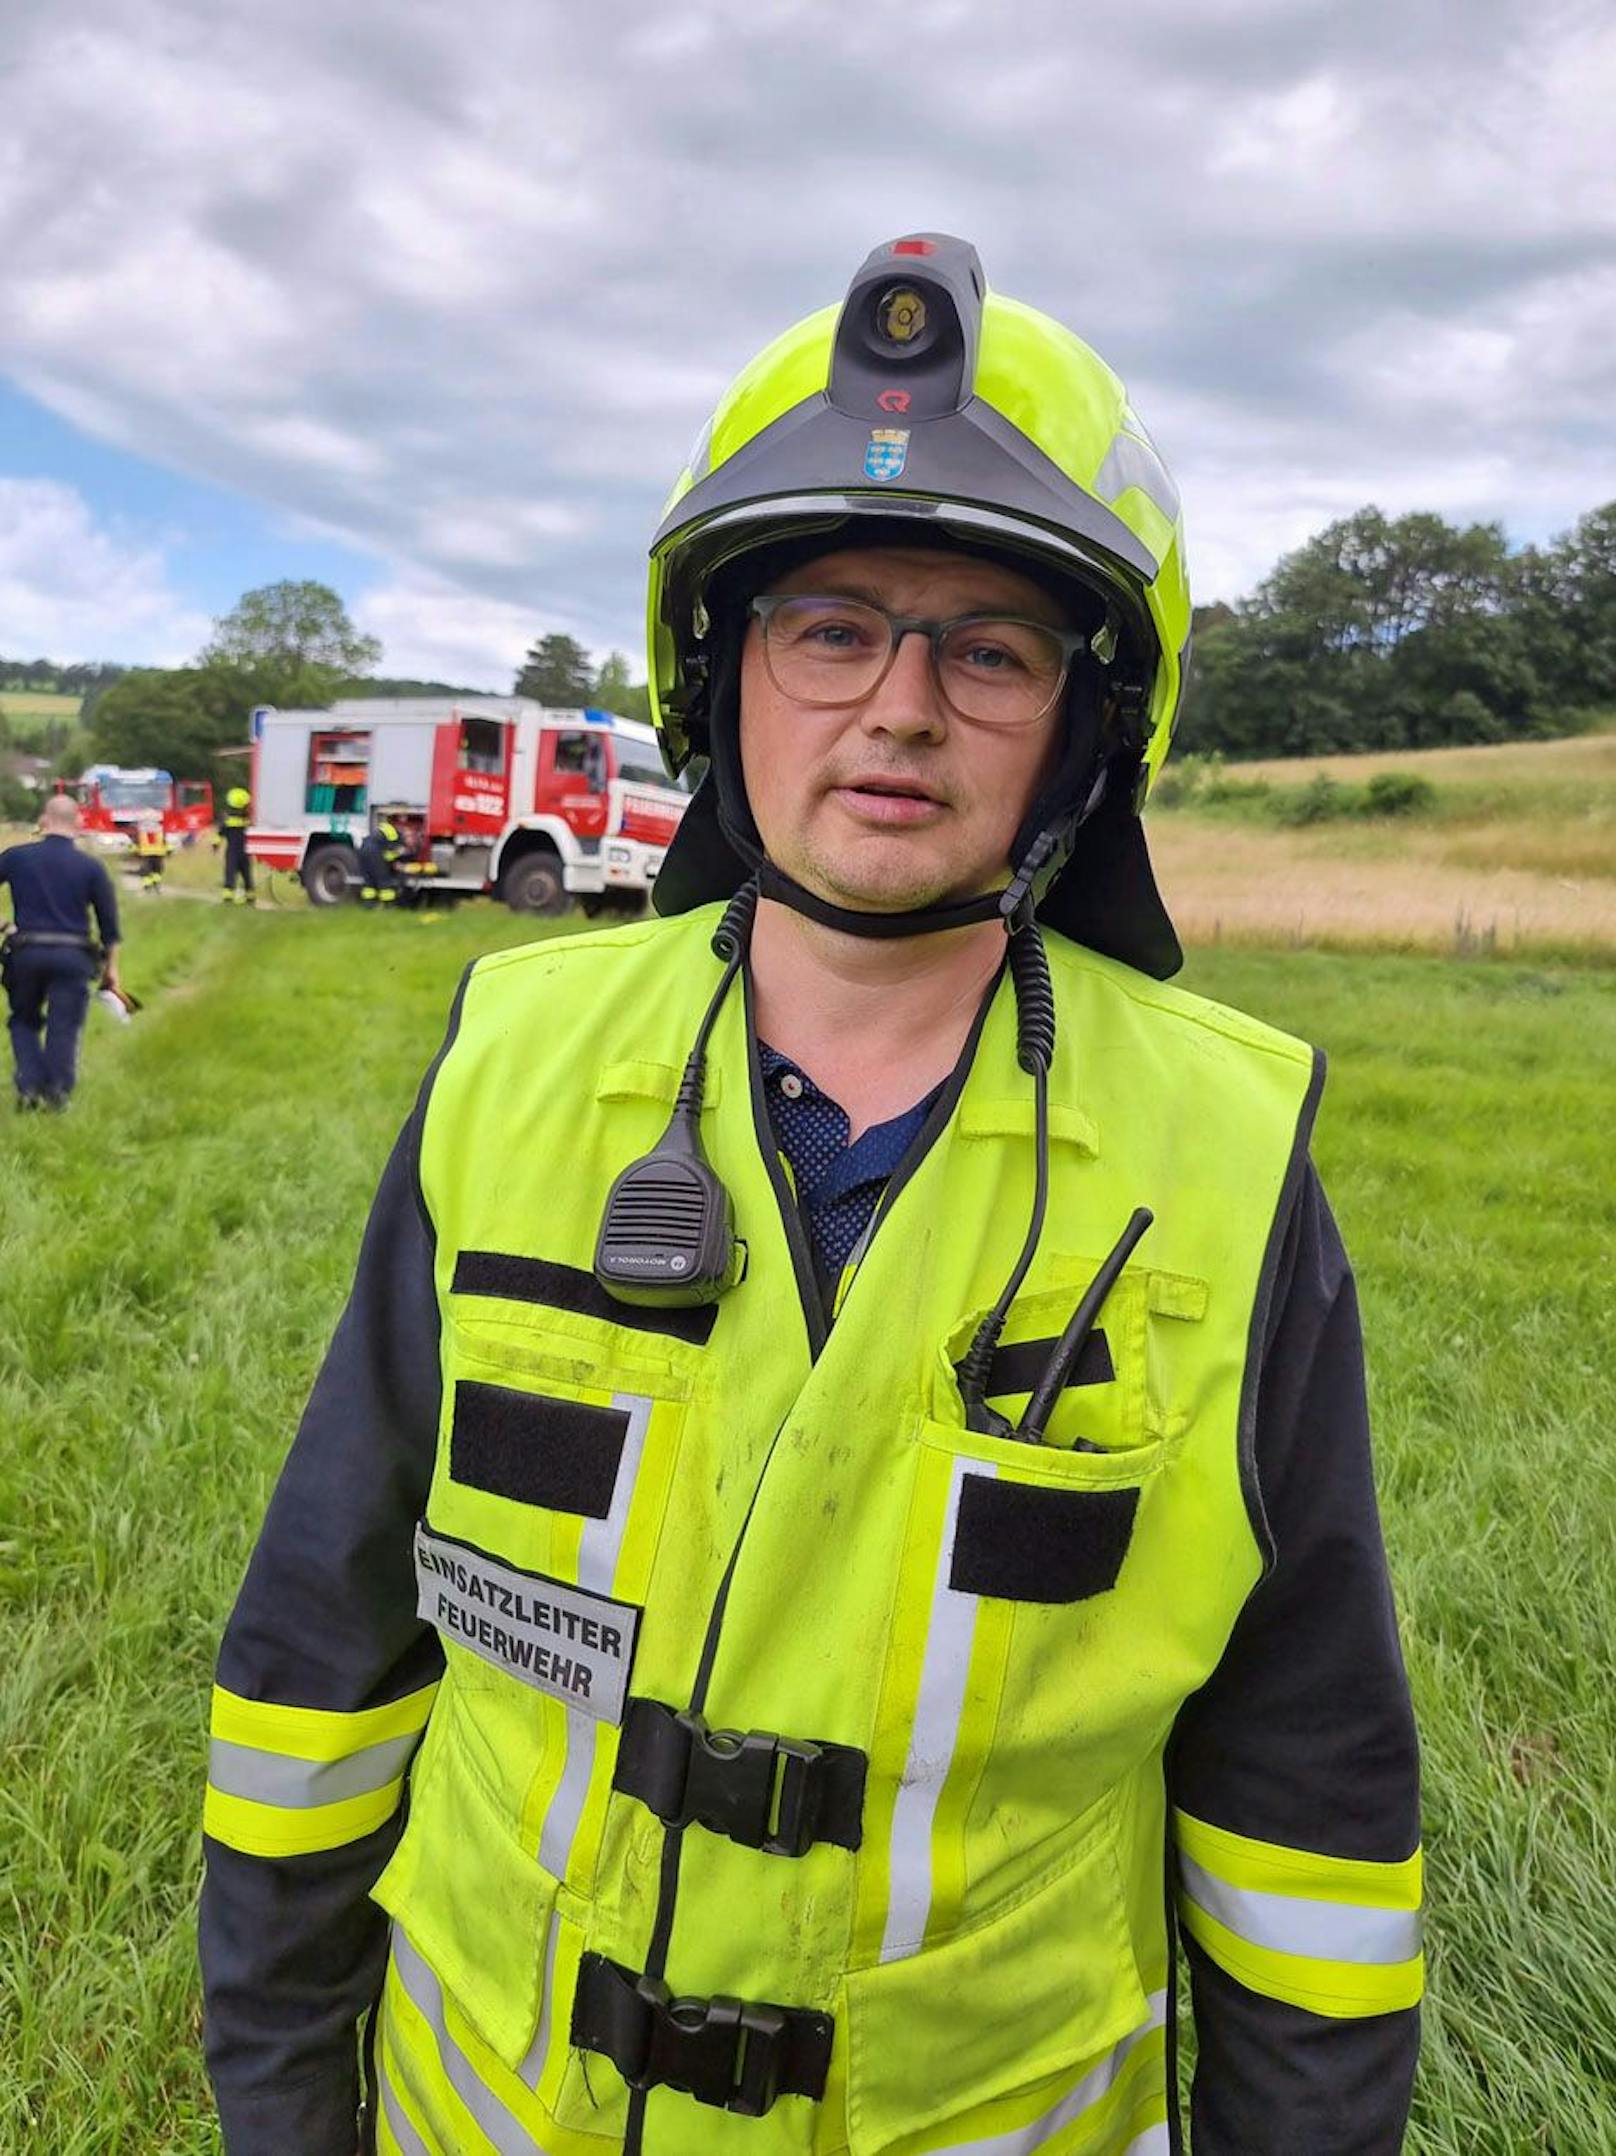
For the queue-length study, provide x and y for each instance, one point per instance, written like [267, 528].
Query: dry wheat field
[1516, 852]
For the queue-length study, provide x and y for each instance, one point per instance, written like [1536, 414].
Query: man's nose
[907, 703]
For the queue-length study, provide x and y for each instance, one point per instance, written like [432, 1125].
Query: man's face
[895, 802]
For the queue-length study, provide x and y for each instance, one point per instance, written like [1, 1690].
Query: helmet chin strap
[1036, 870]
[918, 921]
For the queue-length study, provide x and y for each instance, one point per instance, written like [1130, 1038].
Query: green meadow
[28, 711]
[174, 1254]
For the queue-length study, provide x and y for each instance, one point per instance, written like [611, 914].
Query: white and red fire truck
[113, 801]
[498, 795]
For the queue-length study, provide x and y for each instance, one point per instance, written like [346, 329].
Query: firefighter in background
[843, 1678]
[234, 819]
[151, 851]
[383, 853]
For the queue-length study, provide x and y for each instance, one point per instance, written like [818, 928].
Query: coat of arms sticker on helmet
[886, 453]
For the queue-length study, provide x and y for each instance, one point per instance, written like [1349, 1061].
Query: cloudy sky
[429, 300]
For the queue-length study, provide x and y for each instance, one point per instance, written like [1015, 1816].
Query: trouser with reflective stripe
[441, 2091]
[237, 861]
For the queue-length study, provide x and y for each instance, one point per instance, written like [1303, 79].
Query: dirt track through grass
[174, 1255]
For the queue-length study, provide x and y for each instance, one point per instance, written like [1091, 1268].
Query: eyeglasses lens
[996, 670]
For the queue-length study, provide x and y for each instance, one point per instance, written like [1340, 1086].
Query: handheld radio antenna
[1070, 1345]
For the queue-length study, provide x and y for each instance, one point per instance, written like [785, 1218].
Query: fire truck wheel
[328, 876]
[535, 885]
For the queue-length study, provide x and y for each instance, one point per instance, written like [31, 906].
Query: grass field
[26, 709]
[174, 1255]
[1517, 852]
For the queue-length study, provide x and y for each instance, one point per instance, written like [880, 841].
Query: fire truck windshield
[149, 791]
[645, 774]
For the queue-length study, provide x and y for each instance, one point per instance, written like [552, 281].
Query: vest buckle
[734, 2054]
[777, 1794]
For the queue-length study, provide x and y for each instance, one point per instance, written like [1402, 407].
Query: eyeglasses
[991, 669]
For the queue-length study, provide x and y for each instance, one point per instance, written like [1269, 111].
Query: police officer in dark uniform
[52, 958]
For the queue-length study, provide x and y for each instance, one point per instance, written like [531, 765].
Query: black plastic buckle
[720, 2051]
[761, 1790]
[777, 1794]
[735, 2054]
[724, 2052]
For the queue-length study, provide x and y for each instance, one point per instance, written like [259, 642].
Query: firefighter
[234, 820]
[51, 958]
[842, 1494]
[151, 851]
[383, 852]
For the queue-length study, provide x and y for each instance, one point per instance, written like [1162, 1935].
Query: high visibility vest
[238, 809]
[151, 842]
[945, 1927]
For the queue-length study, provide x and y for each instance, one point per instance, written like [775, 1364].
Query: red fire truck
[112, 801]
[499, 795]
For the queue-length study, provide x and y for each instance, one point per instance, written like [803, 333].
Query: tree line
[1409, 632]
[1379, 632]
[55, 677]
[294, 645]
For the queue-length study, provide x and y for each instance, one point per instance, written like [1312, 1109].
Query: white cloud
[460, 285]
[74, 589]
[435, 630]
[1301, 125]
[296, 439]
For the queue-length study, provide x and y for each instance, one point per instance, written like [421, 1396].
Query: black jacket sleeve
[323, 1654]
[1293, 1774]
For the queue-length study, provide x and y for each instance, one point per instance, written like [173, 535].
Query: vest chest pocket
[558, 1447]
[1051, 1522]
[1118, 1396]
[1032, 1523]
[556, 1455]
[1023, 1669]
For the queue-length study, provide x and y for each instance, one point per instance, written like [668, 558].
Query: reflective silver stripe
[1321, 1930]
[1095, 2084]
[938, 1708]
[1154, 2141]
[507, 2134]
[1131, 462]
[241, 1770]
[398, 2120]
[533, 2065]
[599, 1548]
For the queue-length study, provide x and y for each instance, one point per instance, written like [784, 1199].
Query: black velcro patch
[558, 1453]
[568, 1287]
[1018, 1366]
[1023, 1542]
